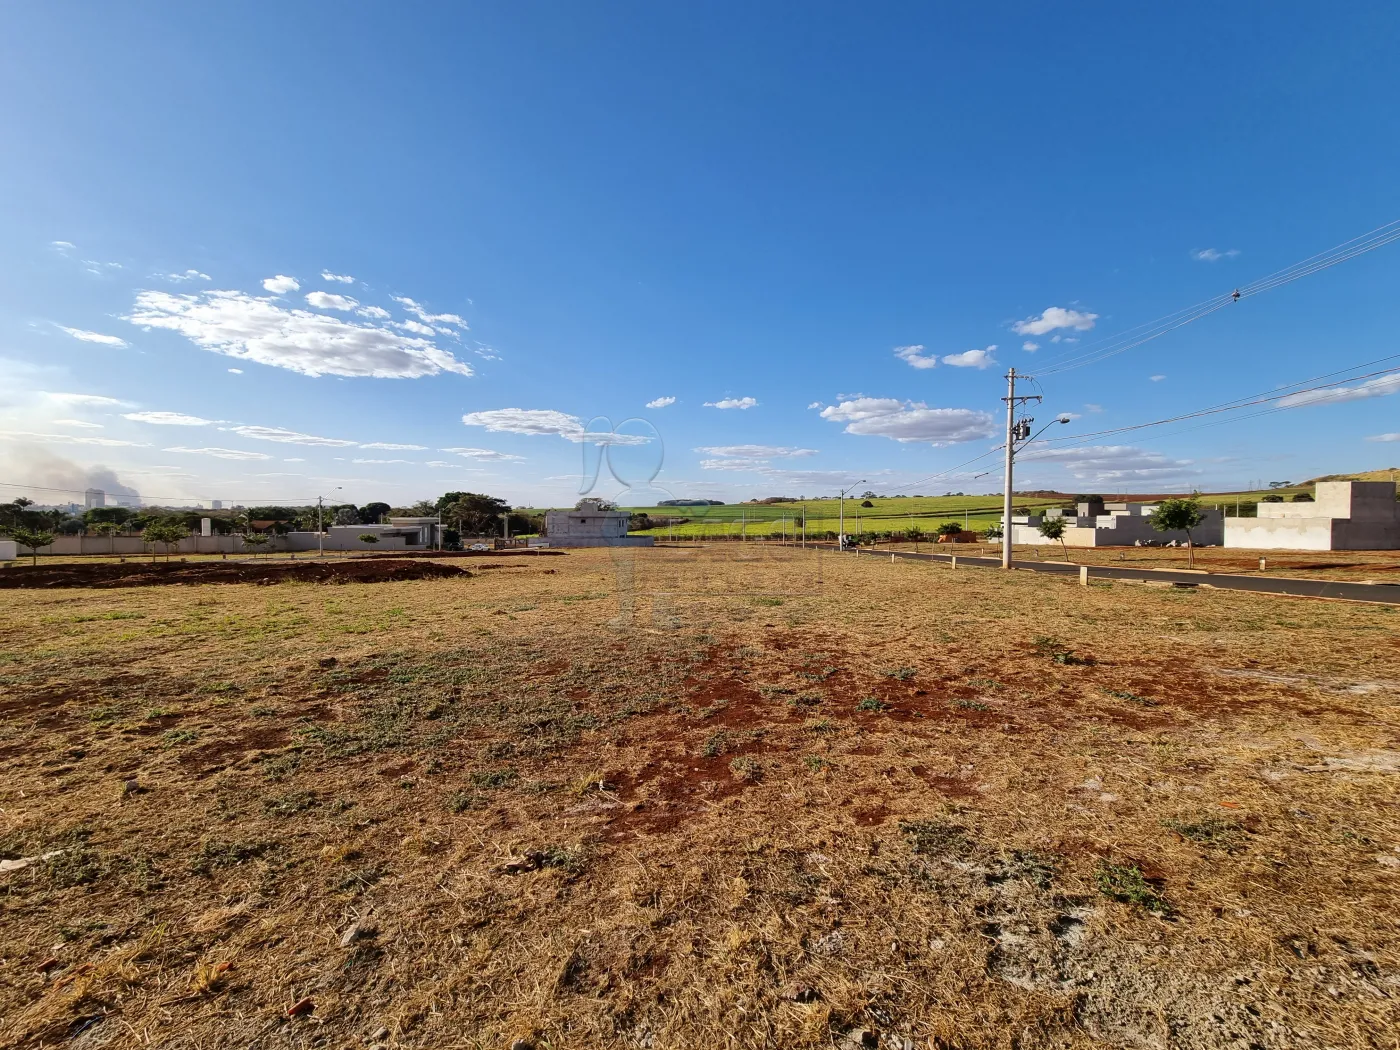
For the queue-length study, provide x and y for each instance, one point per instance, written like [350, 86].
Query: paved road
[1382, 594]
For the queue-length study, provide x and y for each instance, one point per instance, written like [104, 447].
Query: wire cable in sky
[1105, 348]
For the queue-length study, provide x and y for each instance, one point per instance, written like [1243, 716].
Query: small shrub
[1211, 832]
[290, 804]
[1123, 694]
[936, 838]
[175, 737]
[871, 703]
[1126, 884]
[490, 779]
[461, 801]
[745, 767]
[971, 705]
[902, 674]
[716, 745]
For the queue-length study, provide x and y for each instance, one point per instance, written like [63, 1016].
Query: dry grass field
[692, 798]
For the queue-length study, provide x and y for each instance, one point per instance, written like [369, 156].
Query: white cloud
[730, 464]
[1091, 407]
[1055, 317]
[1030, 347]
[545, 421]
[68, 439]
[236, 371]
[1110, 463]
[438, 463]
[294, 459]
[331, 301]
[1157, 379]
[338, 277]
[733, 402]
[527, 421]
[281, 284]
[376, 312]
[661, 402]
[1384, 437]
[1071, 416]
[972, 358]
[482, 454]
[1381, 387]
[381, 461]
[756, 451]
[814, 404]
[77, 423]
[171, 419]
[93, 337]
[419, 311]
[62, 247]
[83, 399]
[256, 329]
[220, 453]
[389, 446]
[1212, 255]
[188, 275]
[910, 420]
[417, 327]
[914, 356]
[289, 437]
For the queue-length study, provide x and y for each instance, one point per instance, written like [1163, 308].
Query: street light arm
[1047, 426]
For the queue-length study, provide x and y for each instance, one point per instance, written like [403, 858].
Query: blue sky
[824, 233]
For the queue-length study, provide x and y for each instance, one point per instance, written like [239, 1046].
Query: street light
[320, 527]
[841, 515]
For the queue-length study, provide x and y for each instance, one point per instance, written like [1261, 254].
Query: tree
[473, 513]
[369, 537]
[31, 538]
[866, 503]
[374, 513]
[168, 533]
[114, 515]
[1302, 497]
[1054, 529]
[256, 540]
[1271, 499]
[948, 528]
[1179, 515]
[345, 514]
[994, 532]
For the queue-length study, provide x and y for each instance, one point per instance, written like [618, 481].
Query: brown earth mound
[147, 574]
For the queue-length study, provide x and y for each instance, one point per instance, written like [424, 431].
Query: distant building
[590, 524]
[216, 504]
[94, 498]
[1099, 524]
[133, 501]
[1344, 516]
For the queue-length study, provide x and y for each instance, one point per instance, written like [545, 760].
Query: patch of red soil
[220, 754]
[669, 792]
[148, 574]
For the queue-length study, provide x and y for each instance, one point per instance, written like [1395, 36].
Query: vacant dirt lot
[103, 574]
[695, 798]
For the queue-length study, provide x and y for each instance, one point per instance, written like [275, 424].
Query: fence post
[1083, 575]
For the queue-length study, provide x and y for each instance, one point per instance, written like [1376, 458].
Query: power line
[1275, 394]
[1102, 349]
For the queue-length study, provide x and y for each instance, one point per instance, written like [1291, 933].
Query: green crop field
[897, 514]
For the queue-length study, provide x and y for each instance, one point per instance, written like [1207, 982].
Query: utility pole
[320, 528]
[1014, 430]
[804, 526]
[841, 515]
